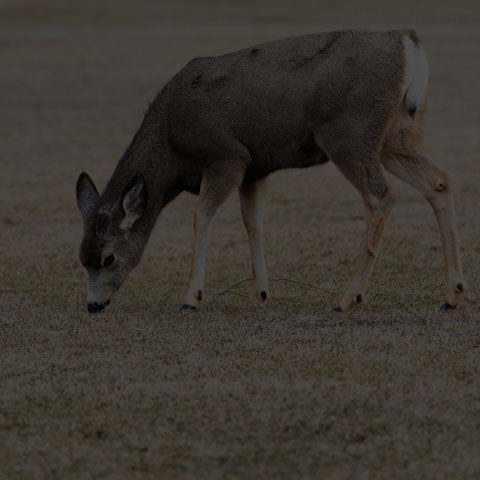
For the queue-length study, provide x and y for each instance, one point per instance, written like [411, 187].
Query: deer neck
[148, 155]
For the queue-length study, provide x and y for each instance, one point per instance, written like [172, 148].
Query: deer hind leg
[219, 180]
[378, 198]
[434, 183]
[252, 201]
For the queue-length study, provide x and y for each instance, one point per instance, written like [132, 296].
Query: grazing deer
[225, 123]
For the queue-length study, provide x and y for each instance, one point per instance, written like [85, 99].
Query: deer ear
[134, 201]
[87, 196]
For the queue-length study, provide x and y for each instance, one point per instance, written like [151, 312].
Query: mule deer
[225, 123]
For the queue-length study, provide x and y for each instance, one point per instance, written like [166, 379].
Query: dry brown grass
[231, 391]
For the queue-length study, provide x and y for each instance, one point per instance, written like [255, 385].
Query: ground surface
[232, 391]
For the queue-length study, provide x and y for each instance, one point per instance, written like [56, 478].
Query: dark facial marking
[99, 230]
[91, 251]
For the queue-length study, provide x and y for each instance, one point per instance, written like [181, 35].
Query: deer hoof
[446, 306]
[186, 307]
[337, 309]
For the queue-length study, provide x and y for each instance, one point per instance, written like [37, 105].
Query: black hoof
[446, 306]
[263, 294]
[337, 309]
[199, 295]
[187, 307]
[358, 299]
[460, 288]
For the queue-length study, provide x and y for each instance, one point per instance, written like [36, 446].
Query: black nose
[97, 307]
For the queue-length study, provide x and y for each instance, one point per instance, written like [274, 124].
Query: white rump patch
[416, 74]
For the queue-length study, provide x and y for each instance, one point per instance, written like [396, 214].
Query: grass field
[289, 390]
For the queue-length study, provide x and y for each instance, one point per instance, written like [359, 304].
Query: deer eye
[108, 261]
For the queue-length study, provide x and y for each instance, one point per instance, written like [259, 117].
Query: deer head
[113, 240]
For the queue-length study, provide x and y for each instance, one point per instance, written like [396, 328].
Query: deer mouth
[97, 307]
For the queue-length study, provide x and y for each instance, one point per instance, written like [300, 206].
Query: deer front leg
[217, 183]
[197, 271]
[252, 202]
[435, 184]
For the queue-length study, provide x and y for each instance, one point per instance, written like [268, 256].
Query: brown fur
[223, 122]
